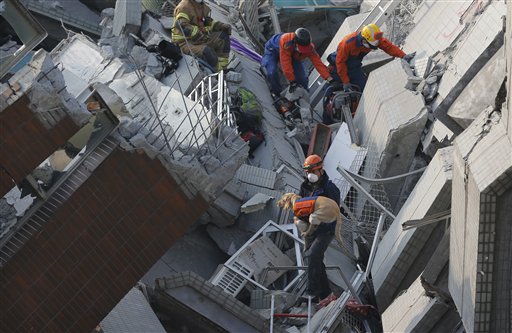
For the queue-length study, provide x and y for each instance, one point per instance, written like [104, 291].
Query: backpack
[248, 114]
[170, 50]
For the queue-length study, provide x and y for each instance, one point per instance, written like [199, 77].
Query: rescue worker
[346, 62]
[197, 34]
[290, 49]
[317, 183]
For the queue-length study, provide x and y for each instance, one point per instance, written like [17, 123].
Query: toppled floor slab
[400, 252]
[132, 314]
[205, 301]
[413, 311]
[480, 92]
[480, 225]
[390, 120]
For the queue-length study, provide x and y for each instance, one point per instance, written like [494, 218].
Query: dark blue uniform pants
[270, 66]
[318, 283]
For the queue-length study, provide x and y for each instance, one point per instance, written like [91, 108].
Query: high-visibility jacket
[285, 43]
[350, 53]
[191, 16]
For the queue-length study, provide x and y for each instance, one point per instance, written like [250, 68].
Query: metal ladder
[43, 211]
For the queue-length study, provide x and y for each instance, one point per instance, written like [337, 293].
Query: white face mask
[313, 178]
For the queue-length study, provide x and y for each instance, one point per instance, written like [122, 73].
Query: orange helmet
[312, 163]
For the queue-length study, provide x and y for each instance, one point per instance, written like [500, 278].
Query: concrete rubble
[441, 261]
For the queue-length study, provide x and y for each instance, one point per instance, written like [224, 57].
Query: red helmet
[312, 163]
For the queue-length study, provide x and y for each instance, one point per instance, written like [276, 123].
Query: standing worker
[197, 34]
[290, 49]
[348, 58]
[317, 183]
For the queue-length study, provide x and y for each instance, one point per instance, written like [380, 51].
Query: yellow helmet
[372, 34]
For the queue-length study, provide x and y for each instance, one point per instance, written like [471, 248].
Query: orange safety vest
[303, 207]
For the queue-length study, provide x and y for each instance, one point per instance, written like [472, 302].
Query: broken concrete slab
[152, 27]
[229, 239]
[255, 203]
[439, 36]
[437, 136]
[422, 65]
[486, 26]
[481, 196]
[480, 91]
[183, 256]
[127, 17]
[261, 254]
[208, 301]
[44, 84]
[400, 250]
[389, 120]
[132, 314]
[413, 311]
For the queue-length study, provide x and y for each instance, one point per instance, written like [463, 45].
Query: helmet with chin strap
[372, 35]
[312, 163]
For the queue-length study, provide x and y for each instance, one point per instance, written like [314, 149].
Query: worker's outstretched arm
[390, 48]
[319, 65]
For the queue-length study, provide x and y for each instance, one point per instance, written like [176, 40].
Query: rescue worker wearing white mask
[317, 183]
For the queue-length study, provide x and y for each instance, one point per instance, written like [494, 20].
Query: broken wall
[37, 117]
[96, 244]
[389, 121]
[480, 259]
[403, 254]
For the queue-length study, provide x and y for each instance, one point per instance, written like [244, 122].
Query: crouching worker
[346, 62]
[290, 49]
[310, 213]
[197, 34]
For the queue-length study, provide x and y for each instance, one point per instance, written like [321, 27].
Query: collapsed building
[129, 189]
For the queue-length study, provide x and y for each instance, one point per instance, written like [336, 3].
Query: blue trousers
[355, 75]
[318, 283]
[273, 73]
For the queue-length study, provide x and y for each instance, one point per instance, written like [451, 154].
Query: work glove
[293, 87]
[346, 87]
[207, 20]
[408, 57]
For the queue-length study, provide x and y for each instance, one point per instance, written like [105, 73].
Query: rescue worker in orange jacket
[198, 34]
[290, 49]
[346, 62]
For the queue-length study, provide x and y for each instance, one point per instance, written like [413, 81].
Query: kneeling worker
[197, 34]
[290, 49]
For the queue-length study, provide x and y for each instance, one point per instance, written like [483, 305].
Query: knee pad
[210, 57]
